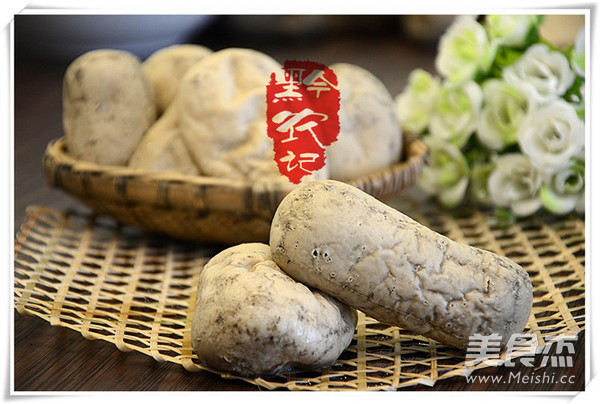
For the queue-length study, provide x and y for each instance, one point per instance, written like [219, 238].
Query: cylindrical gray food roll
[340, 240]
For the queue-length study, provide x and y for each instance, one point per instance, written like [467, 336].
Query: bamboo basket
[197, 208]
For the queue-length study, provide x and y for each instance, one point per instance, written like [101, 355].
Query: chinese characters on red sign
[303, 104]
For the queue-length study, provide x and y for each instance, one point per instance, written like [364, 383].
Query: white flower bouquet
[504, 118]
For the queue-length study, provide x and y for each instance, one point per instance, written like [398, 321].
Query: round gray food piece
[108, 104]
[165, 68]
[342, 241]
[222, 107]
[370, 137]
[162, 149]
[251, 319]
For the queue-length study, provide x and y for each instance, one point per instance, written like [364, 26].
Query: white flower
[515, 183]
[565, 190]
[464, 50]
[578, 53]
[510, 30]
[547, 71]
[417, 102]
[504, 109]
[447, 173]
[551, 135]
[457, 113]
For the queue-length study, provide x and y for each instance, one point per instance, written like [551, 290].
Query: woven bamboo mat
[112, 282]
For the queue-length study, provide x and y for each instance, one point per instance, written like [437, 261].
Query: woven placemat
[112, 282]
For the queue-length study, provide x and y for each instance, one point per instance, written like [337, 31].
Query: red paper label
[303, 104]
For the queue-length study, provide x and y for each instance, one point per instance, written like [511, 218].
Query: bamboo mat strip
[112, 282]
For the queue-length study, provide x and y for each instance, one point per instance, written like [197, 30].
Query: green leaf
[504, 217]
[475, 152]
[505, 56]
[573, 94]
[533, 36]
[478, 189]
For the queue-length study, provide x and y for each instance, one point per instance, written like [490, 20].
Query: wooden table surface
[50, 358]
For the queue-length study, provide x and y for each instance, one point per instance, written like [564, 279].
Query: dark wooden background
[56, 359]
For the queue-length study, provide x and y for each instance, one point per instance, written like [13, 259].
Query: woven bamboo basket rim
[122, 184]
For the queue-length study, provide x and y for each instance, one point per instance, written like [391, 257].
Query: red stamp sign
[303, 104]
